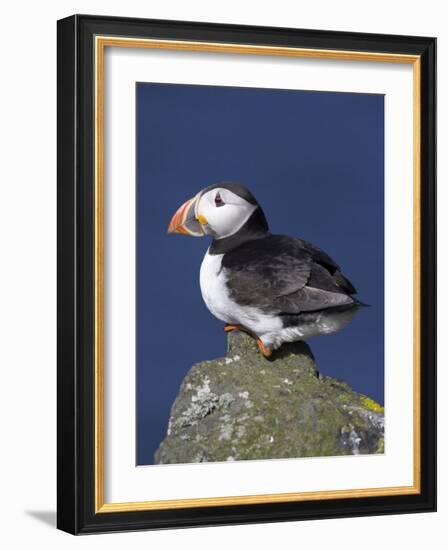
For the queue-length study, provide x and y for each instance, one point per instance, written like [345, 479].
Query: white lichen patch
[225, 400]
[355, 440]
[351, 438]
[228, 360]
[244, 394]
[236, 357]
[202, 404]
[374, 419]
[225, 433]
[202, 391]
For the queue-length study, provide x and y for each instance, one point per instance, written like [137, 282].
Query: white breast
[213, 288]
[216, 297]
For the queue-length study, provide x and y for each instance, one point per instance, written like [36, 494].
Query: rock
[245, 406]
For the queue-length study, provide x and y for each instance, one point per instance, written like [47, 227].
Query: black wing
[320, 257]
[282, 274]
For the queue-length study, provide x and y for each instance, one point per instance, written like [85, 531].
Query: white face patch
[224, 211]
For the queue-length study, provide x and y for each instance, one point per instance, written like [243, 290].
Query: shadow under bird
[275, 287]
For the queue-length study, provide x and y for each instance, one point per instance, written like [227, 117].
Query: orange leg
[231, 328]
[267, 352]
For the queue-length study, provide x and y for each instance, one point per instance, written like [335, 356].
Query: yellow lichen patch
[372, 405]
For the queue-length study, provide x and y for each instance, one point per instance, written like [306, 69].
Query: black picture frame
[76, 286]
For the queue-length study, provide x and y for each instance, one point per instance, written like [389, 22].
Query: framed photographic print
[282, 366]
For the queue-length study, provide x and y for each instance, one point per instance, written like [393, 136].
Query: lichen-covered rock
[245, 406]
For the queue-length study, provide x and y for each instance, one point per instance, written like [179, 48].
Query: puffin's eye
[218, 200]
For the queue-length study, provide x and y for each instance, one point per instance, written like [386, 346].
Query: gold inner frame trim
[101, 42]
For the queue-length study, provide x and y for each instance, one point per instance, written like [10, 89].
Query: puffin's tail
[359, 303]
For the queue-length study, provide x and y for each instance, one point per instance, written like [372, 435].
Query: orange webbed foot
[267, 352]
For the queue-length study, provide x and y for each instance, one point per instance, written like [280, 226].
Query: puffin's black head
[223, 210]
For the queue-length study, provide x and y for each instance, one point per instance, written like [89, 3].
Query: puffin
[276, 288]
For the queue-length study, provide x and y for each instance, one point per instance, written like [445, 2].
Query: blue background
[314, 161]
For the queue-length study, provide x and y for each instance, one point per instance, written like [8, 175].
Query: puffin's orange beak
[184, 220]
